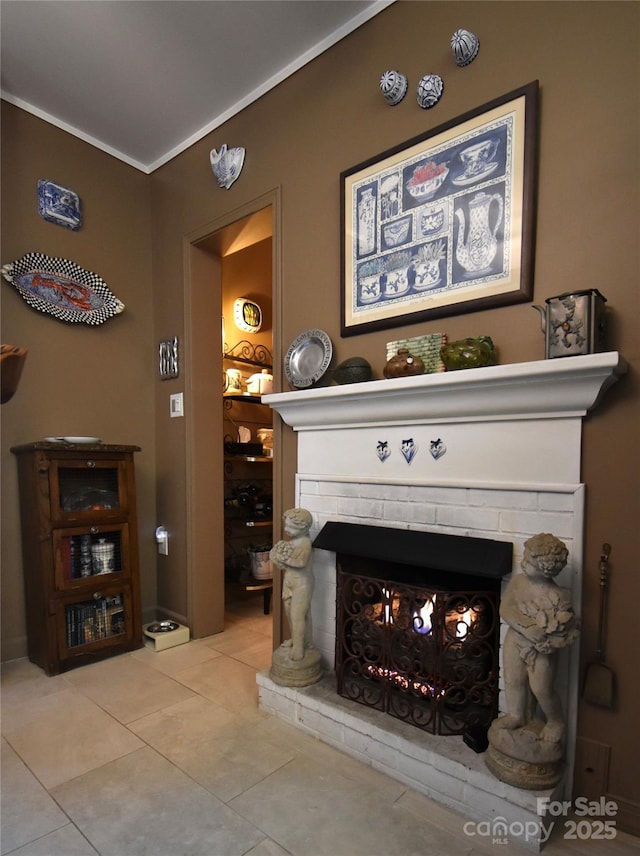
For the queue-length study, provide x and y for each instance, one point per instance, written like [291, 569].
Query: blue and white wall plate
[62, 289]
[59, 204]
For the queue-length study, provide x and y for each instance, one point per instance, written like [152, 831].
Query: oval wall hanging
[61, 288]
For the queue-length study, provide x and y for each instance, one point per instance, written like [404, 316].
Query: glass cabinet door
[87, 488]
[83, 553]
[95, 620]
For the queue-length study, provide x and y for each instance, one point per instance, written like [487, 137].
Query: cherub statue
[293, 555]
[541, 621]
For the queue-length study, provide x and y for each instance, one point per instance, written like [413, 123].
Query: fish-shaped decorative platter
[63, 289]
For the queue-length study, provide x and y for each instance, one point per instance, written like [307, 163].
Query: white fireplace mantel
[545, 389]
[495, 453]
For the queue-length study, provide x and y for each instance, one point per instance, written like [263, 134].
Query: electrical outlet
[176, 407]
[591, 772]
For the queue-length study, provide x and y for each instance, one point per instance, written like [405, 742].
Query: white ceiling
[144, 79]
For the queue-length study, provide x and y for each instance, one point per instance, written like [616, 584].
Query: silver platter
[308, 358]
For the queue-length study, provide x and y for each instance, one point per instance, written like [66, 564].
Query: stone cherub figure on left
[296, 662]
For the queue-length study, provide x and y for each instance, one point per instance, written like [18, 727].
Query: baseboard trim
[16, 648]
[628, 817]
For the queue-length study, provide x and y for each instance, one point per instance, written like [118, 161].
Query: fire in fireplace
[417, 624]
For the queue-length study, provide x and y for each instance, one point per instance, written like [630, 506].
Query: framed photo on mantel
[444, 223]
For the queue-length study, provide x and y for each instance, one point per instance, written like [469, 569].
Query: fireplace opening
[417, 625]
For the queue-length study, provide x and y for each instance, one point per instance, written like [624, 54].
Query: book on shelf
[92, 621]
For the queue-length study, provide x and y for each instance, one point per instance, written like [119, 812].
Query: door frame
[203, 417]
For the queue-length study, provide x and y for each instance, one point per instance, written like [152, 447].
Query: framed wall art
[443, 224]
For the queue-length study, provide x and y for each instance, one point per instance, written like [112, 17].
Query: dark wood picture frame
[443, 224]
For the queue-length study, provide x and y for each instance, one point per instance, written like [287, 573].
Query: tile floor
[166, 754]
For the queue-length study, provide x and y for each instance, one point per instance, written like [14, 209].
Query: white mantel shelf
[544, 389]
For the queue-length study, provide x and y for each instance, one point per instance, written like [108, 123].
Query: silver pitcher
[573, 323]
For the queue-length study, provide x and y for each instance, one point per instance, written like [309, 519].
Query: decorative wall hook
[430, 90]
[465, 47]
[393, 85]
[227, 164]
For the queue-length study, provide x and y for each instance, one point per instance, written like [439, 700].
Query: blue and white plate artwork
[59, 204]
[62, 289]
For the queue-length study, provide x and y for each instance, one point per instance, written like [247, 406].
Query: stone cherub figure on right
[541, 621]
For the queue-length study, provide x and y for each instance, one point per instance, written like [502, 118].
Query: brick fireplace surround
[511, 437]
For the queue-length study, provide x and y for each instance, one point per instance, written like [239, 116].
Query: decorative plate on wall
[247, 315]
[308, 358]
[59, 204]
[62, 289]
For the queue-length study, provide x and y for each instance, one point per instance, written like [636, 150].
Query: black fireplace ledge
[453, 553]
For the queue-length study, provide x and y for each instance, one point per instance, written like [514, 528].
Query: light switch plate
[176, 407]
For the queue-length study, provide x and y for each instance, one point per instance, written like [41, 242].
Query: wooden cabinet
[79, 552]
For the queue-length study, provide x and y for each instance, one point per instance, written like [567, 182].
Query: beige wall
[330, 116]
[77, 380]
[327, 118]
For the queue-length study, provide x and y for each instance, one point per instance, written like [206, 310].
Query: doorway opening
[230, 497]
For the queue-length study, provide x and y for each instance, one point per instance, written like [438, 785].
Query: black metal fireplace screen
[427, 657]
[417, 624]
